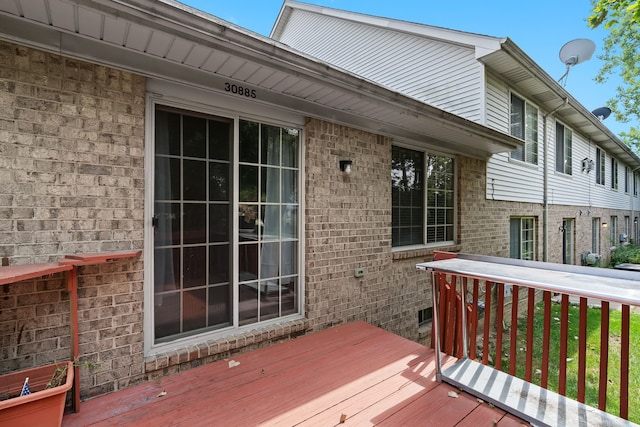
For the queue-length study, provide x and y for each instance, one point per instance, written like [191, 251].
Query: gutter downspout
[545, 183]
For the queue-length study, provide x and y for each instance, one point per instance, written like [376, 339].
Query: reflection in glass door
[268, 222]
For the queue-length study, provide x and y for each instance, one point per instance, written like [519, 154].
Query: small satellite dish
[602, 113]
[575, 52]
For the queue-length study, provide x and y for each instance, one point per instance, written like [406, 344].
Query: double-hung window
[614, 174]
[524, 125]
[563, 149]
[600, 166]
[225, 223]
[423, 196]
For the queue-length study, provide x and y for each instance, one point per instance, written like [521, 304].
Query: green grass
[592, 357]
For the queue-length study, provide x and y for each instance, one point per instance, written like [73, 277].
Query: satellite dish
[575, 52]
[602, 113]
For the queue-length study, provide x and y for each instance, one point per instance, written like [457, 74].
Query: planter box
[43, 407]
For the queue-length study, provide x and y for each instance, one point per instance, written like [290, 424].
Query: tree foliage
[621, 56]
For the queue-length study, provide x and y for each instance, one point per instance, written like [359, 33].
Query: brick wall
[72, 181]
[348, 226]
[484, 224]
[72, 156]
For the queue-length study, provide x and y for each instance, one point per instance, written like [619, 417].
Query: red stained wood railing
[487, 323]
[499, 325]
[514, 330]
[544, 379]
[624, 362]
[604, 356]
[582, 351]
[564, 336]
[530, 318]
[460, 292]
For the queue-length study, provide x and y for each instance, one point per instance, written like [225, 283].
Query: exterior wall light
[605, 225]
[345, 166]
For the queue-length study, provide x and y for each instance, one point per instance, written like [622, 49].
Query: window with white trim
[524, 125]
[614, 174]
[225, 253]
[600, 166]
[627, 174]
[564, 149]
[522, 238]
[423, 197]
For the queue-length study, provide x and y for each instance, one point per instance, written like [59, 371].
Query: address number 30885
[240, 90]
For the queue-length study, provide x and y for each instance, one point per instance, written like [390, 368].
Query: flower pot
[44, 406]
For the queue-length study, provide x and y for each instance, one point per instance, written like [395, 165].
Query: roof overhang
[523, 74]
[167, 40]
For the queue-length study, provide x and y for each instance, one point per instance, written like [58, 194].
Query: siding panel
[441, 74]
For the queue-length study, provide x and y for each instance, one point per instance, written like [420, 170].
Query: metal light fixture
[345, 166]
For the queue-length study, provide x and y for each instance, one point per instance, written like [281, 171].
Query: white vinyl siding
[497, 108]
[441, 74]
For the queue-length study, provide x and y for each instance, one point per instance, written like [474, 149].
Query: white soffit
[168, 40]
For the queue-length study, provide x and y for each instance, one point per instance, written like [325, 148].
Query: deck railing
[513, 307]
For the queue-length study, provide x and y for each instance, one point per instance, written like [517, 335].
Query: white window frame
[198, 101]
[564, 149]
[527, 247]
[425, 207]
[601, 159]
[529, 134]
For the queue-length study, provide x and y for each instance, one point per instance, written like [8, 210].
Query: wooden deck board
[371, 376]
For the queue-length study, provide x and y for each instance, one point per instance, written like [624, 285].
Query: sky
[540, 28]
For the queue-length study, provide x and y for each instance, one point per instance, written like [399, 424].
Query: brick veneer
[72, 175]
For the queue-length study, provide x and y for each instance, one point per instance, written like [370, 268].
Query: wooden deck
[354, 374]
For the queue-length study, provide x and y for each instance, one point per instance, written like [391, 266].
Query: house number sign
[239, 90]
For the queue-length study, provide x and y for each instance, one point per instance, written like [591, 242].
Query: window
[425, 316]
[627, 173]
[522, 238]
[422, 198]
[635, 183]
[595, 235]
[600, 171]
[614, 231]
[627, 228]
[223, 258]
[563, 149]
[524, 125]
[614, 174]
[568, 225]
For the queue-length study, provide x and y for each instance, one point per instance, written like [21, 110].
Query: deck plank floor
[353, 374]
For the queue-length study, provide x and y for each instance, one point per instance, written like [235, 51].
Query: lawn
[593, 356]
